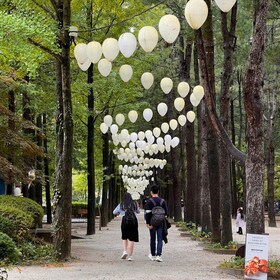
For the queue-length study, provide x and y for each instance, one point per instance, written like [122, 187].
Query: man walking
[155, 212]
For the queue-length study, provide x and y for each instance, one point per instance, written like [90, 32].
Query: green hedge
[25, 204]
[8, 250]
[7, 226]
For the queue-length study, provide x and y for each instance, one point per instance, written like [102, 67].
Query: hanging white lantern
[125, 72]
[162, 109]
[169, 28]
[174, 142]
[17, 192]
[148, 134]
[179, 104]
[132, 116]
[156, 131]
[104, 67]
[123, 143]
[167, 139]
[133, 136]
[183, 89]
[196, 12]
[147, 80]
[80, 53]
[166, 85]
[225, 5]
[148, 38]
[160, 141]
[198, 92]
[164, 127]
[94, 51]
[114, 129]
[127, 44]
[194, 101]
[182, 120]
[84, 66]
[191, 116]
[103, 128]
[141, 135]
[120, 119]
[147, 114]
[110, 48]
[173, 124]
[108, 120]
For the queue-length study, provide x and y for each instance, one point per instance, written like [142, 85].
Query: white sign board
[256, 256]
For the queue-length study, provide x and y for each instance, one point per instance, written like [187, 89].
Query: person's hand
[149, 226]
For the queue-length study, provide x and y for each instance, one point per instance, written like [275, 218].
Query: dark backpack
[158, 214]
[130, 217]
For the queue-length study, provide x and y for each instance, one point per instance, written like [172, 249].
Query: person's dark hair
[154, 189]
[127, 202]
[241, 213]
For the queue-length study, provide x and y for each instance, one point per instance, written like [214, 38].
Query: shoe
[130, 258]
[159, 259]
[124, 255]
[152, 258]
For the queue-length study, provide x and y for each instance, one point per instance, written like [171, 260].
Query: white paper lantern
[183, 89]
[120, 119]
[110, 48]
[104, 67]
[132, 116]
[182, 120]
[114, 129]
[133, 136]
[173, 124]
[156, 131]
[162, 109]
[174, 142]
[147, 114]
[141, 135]
[108, 120]
[103, 128]
[160, 141]
[127, 44]
[147, 80]
[196, 12]
[164, 127]
[17, 191]
[166, 85]
[194, 101]
[125, 72]
[94, 51]
[148, 38]
[167, 139]
[169, 28]
[198, 92]
[225, 5]
[80, 53]
[84, 66]
[179, 104]
[191, 116]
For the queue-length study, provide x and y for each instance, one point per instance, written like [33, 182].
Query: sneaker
[152, 258]
[124, 255]
[159, 259]
[130, 258]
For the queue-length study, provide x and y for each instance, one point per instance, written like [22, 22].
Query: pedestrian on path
[153, 213]
[129, 226]
[240, 220]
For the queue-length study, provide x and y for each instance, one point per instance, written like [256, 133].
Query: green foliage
[8, 250]
[230, 246]
[7, 226]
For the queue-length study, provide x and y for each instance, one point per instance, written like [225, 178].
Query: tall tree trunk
[253, 100]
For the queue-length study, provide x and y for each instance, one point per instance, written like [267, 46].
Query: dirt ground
[98, 257]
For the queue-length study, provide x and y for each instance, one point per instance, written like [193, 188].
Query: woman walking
[240, 220]
[129, 227]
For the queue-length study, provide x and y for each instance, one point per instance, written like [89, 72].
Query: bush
[76, 206]
[8, 250]
[7, 226]
[25, 204]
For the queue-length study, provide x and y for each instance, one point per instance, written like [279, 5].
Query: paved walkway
[98, 257]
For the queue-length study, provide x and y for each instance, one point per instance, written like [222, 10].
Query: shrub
[25, 204]
[7, 226]
[8, 250]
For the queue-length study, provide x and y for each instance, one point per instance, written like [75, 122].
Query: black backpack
[158, 214]
[130, 217]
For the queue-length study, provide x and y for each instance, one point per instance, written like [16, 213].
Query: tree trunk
[253, 100]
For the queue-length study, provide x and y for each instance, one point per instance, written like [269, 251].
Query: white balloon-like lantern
[17, 191]
[179, 104]
[103, 128]
[167, 139]
[148, 38]
[174, 142]
[183, 89]
[84, 66]
[132, 116]
[173, 124]
[162, 109]
[141, 135]
[104, 67]
[133, 137]
[108, 120]
[147, 80]
[194, 101]
[164, 127]
[225, 5]
[182, 120]
[198, 92]
[127, 44]
[125, 72]
[196, 12]
[166, 85]
[169, 28]
[110, 48]
[80, 53]
[120, 119]
[147, 114]
[191, 116]
[156, 132]
[94, 51]
[114, 129]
